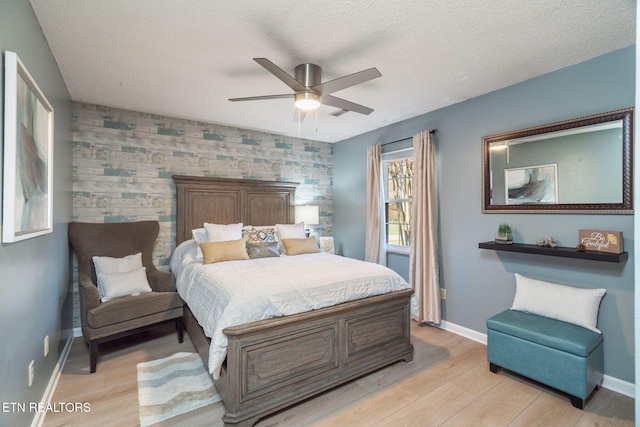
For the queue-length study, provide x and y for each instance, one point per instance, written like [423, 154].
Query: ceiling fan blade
[257, 98]
[338, 113]
[346, 81]
[345, 105]
[281, 74]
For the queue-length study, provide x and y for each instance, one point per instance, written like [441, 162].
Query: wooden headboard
[229, 201]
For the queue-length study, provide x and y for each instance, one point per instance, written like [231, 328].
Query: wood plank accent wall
[123, 162]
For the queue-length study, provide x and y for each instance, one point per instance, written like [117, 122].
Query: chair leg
[180, 329]
[93, 356]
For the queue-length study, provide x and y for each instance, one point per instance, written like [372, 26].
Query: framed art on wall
[28, 155]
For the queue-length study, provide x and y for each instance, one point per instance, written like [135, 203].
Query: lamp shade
[308, 214]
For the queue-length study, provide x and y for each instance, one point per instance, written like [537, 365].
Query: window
[398, 186]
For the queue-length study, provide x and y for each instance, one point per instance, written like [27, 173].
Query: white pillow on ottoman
[578, 306]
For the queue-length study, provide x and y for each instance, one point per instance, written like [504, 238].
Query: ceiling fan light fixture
[307, 101]
[310, 92]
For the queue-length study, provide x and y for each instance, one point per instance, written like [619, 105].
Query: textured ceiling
[186, 58]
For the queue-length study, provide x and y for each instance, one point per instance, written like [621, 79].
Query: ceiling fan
[309, 90]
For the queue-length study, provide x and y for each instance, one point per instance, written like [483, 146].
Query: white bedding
[236, 292]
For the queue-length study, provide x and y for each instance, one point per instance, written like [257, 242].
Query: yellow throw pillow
[230, 250]
[301, 246]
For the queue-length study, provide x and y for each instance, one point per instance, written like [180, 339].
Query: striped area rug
[172, 386]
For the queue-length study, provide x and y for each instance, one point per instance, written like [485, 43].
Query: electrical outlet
[31, 372]
[46, 346]
[443, 293]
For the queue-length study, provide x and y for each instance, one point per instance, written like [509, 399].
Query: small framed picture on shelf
[601, 241]
[326, 244]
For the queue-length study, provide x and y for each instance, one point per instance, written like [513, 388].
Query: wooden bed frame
[272, 364]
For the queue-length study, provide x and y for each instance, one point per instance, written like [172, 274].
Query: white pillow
[223, 232]
[566, 303]
[108, 265]
[117, 285]
[200, 236]
[289, 231]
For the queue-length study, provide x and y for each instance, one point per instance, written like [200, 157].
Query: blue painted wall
[480, 283]
[35, 297]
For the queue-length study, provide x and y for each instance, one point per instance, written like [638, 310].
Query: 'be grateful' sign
[603, 241]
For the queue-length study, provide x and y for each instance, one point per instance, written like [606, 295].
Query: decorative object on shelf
[326, 244]
[581, 247]
[310, 215]
[602, 241]
[503, 236]
[28, 155]
[549, 242]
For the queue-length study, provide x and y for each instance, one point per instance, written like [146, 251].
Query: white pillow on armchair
[116, 285]
[107, 270]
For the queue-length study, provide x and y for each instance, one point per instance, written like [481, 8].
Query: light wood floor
[447, 384]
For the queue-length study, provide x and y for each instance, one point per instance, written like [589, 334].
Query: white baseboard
[619, 386]
[38, 420]
[465, 332]
[77, 332]
[610, 383]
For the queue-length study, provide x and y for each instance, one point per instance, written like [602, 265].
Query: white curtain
[424, 274]
[374, 239]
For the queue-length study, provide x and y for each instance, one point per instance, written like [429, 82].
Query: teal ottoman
[561, 355]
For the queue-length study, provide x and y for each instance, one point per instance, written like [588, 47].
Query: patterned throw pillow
[259, 234]
[262, 249]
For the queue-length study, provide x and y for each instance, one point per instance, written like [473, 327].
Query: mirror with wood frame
[582, 165]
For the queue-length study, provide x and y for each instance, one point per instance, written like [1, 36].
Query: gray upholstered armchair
[127, 315]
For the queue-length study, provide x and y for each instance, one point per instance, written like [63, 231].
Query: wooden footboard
[272, 364]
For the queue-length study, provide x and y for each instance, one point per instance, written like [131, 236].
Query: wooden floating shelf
[563, 252]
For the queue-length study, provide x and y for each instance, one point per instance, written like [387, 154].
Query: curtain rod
[432, 132]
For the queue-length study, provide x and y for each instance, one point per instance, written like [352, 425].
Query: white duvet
[236, 292]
